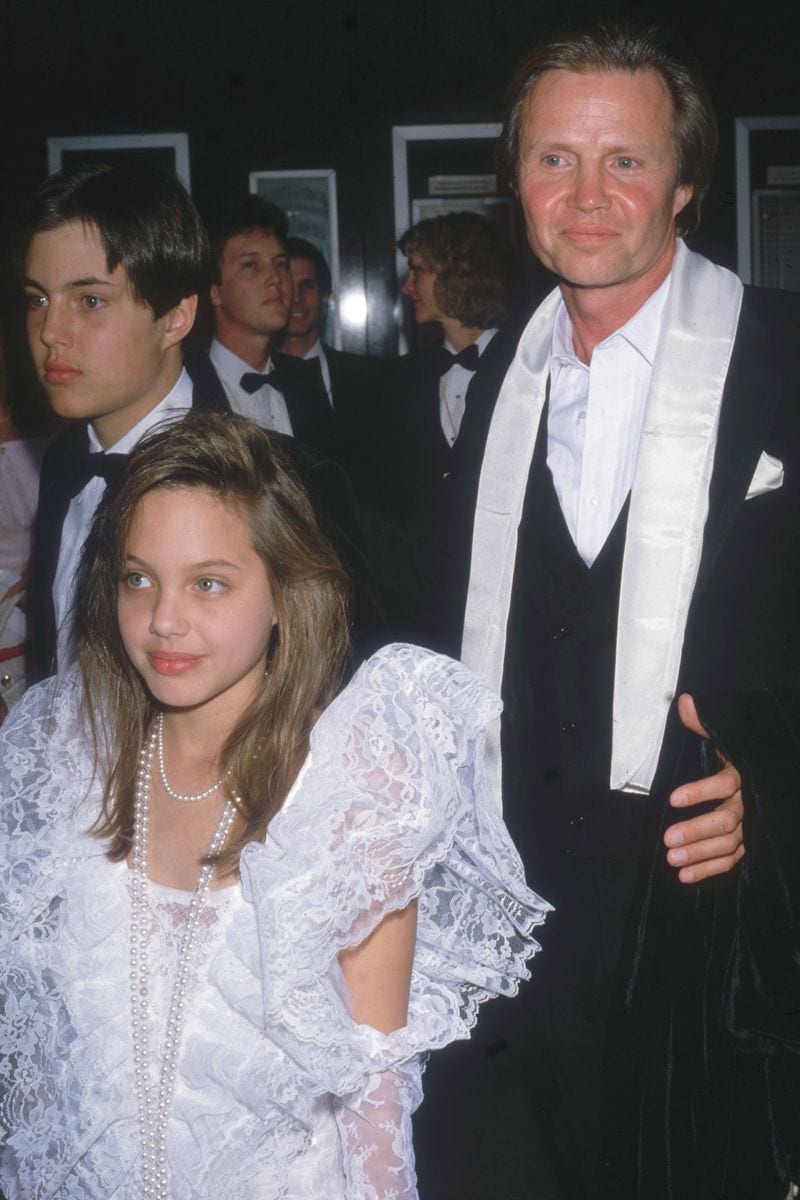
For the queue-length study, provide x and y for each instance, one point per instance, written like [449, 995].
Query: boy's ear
[179, 320]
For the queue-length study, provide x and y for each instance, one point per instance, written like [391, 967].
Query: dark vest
[558, 692]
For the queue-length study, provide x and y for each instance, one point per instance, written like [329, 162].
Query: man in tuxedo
[461, 276]
[350, 379]
[112, 260]
[250, 299]
[635, 549]
[356, 384]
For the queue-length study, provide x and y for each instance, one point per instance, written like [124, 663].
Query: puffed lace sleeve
[393, 805]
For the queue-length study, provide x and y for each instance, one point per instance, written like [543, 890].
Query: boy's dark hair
[144, 217]
[241, 216]
[298, 247]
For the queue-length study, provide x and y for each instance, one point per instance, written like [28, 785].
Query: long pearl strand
[154, 1104]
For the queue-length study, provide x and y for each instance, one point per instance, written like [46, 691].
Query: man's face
[99, 352]
[420, 287]
[255, 288]
[308, 299]
[597, 172]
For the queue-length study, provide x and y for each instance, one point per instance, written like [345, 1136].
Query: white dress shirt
[595, 421]
[266, 407]
[317, 351]
[453, 389]
[82, 508]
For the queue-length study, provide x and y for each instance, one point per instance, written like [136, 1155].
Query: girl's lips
[171, 664]
[59, 373]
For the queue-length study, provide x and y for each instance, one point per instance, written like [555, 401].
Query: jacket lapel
[751, 397]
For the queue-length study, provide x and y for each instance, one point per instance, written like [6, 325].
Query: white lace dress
[279, 1093]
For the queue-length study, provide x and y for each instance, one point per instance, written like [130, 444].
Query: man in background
[250, 298]
[461, 280]
[461, 277]
[356, 384]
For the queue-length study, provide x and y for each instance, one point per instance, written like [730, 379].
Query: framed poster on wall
[170, 150]
[309, 200]
[768, 201]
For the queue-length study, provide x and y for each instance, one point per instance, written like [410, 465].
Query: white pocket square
[768, 476]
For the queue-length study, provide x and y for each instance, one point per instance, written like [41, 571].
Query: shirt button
[5, 680]
[593, 501]
[581, 416]
[568, 726]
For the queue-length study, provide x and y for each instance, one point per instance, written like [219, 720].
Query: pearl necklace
[154, 1104]
[184, 797]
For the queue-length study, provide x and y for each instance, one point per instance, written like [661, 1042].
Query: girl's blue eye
[136, 580]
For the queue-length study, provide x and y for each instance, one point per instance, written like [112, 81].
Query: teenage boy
[250, 299]
[112, 260]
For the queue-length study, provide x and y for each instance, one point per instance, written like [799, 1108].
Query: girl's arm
[375, 1123]
[378, 971]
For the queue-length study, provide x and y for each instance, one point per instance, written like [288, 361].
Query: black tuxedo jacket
[711, 1020]
[427, 457]
[359, 389]
[304, 393]
[355, 380]
[743, 627]
[440, 485]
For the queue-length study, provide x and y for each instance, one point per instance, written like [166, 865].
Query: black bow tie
[76, 470]
[251, 381]
[468, 358]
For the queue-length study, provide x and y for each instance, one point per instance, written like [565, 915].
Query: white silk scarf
[669, 505]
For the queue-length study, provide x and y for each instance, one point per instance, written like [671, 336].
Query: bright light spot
[353, 308]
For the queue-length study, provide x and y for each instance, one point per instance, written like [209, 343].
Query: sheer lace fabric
[280, 1093]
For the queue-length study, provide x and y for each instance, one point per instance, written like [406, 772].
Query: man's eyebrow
[87, 281]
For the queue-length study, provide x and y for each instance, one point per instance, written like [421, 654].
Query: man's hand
[710, 844]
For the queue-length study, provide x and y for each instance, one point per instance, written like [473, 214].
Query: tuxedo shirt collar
[481, 341]
[595, 419]
[267, 406]
[641, 332]
[231, 366]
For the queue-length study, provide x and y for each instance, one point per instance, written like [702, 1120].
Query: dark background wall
[272, 84]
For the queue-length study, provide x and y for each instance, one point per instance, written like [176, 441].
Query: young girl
[236, 908]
